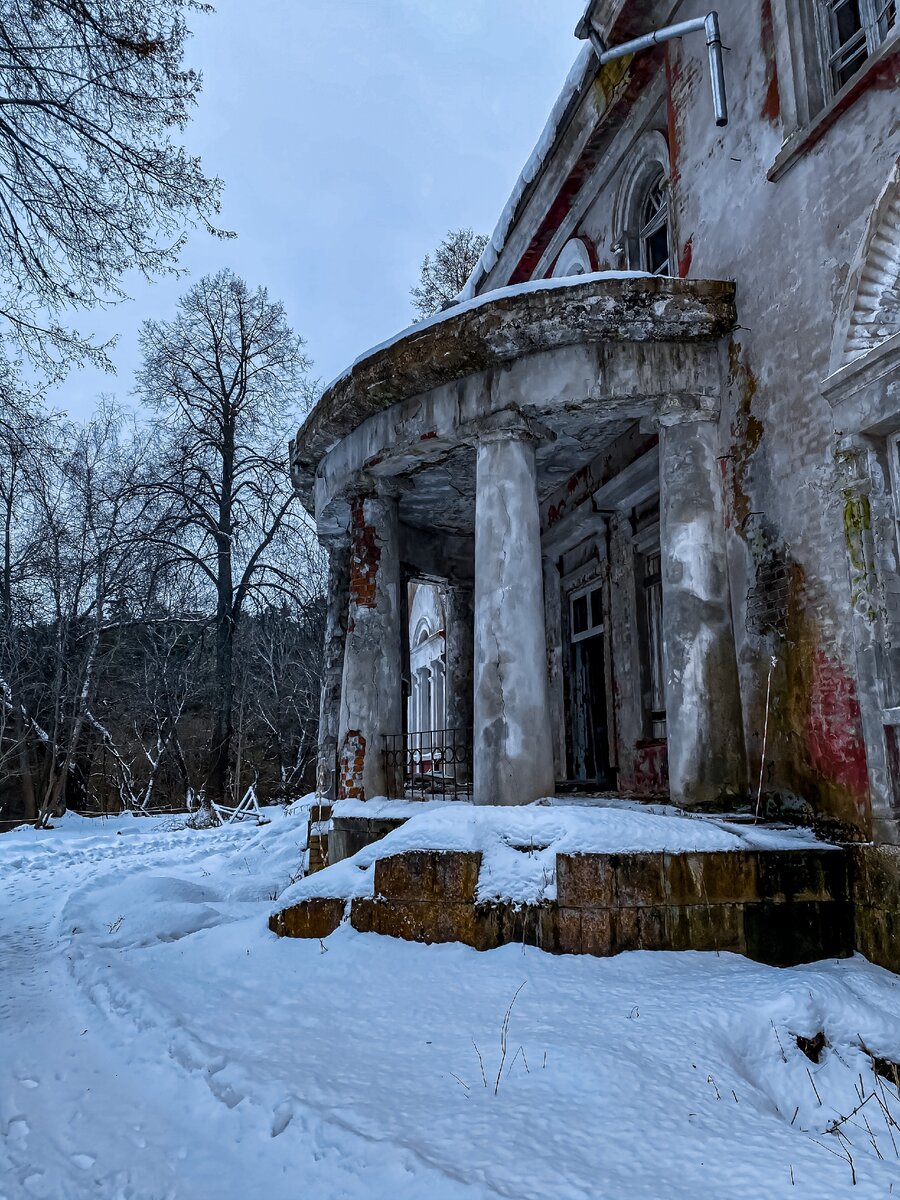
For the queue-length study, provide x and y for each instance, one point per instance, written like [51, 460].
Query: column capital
[685, 410]
[334, 542]
[380, 487]
[507, 425]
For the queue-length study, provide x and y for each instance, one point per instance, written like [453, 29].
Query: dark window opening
[580, 614]
[654, 233]
[854, 29]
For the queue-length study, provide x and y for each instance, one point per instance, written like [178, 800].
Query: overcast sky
[351, 135]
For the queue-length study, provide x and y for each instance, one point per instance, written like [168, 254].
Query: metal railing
[431, 764]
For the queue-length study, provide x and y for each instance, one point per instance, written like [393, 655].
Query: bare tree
[91, 183]
[444, 273]
[223, 377]
[22, 442]
[96, 578]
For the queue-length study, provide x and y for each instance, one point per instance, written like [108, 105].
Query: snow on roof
[582, 71]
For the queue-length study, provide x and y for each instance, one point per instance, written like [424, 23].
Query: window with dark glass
[654, 234]
[653, 620]
[854, 29]
[586, 612]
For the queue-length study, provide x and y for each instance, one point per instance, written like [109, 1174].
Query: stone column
[371, 693]
[459, 628]
[624, 651]
[337, 599]
[553, 619]
[513, 755]
[703, 708]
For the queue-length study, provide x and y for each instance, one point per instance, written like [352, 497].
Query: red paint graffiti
[833, 733]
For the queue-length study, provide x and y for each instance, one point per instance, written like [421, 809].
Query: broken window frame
[653, 624]
[588, 593]
[654, 218]
[845, 58]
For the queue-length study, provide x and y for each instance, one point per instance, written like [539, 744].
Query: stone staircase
[776, 906]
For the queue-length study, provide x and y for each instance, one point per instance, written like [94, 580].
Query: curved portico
[516, 446]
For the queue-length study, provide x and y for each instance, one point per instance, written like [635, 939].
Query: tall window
[653, 619]
[653, 237]
[854, 29]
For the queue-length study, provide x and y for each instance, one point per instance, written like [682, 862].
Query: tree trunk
[220, 746]
[29, 803]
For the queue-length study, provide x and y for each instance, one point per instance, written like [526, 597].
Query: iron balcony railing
[431, 764]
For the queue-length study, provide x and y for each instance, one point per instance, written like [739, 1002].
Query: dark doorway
[591, 742]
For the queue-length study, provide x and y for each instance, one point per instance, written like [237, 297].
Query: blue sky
[351, 135]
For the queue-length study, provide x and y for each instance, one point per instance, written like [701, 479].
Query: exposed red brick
[771, 108]
[352, 762]
[365, 557]
[641, 71]
[687, 254]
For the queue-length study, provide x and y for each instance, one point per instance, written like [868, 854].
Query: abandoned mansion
[624, 517]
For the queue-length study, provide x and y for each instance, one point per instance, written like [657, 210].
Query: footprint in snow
[29, 1083]
[18, 1129]
[282, 1117]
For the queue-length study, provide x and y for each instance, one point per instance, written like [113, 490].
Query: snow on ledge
[473, 302]
[519, 845]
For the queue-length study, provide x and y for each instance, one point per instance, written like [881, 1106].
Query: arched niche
[574, 259]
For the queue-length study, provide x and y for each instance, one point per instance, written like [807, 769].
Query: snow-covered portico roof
[498, 328]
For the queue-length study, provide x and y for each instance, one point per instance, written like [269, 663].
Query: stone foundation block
[803, 875]
[877, 935]
[316, 917]
[351, 834]
[716, 928]
[639, 879]
[597, 933]
[876, 890]
[566, 937]
[449, 876]
[585, 880]
[415, 922]
[784, 934]
[712, 877]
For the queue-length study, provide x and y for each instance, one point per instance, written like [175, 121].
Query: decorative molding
[574, 259]
[875, 314]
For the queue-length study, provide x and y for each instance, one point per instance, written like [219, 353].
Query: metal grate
[434, 763]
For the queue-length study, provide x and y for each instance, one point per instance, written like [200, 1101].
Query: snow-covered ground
[157, 1041]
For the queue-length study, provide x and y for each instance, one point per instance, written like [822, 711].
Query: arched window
[641, 218]
[653, 234]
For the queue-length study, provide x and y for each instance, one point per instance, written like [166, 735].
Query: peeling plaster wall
[790, 245]
[371, 685]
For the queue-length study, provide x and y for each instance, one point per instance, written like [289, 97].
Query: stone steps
[776, 906]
